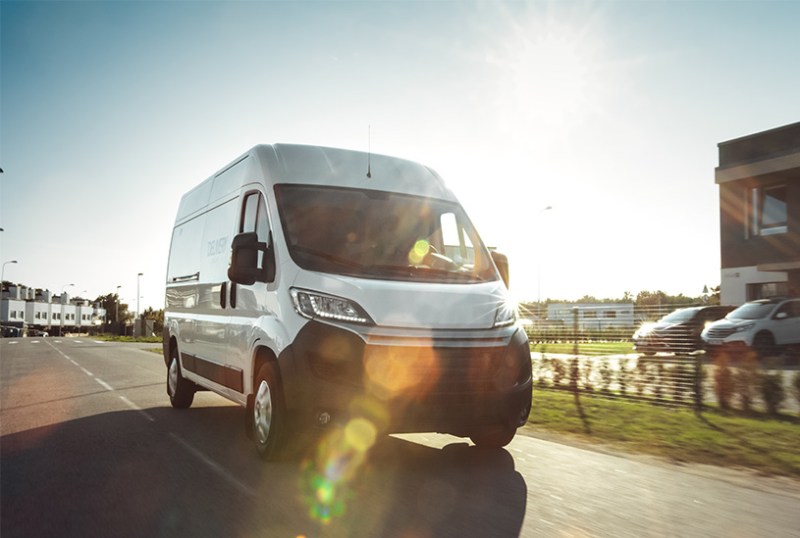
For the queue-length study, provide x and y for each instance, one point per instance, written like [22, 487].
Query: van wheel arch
[261, 356]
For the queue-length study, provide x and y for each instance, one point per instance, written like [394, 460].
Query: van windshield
[377, 234]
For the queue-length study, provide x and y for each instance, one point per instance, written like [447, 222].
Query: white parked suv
[765, 325]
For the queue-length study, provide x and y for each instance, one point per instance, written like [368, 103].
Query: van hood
[419, 305]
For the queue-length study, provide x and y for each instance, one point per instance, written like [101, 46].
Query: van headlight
[313, 305]
[506, 315]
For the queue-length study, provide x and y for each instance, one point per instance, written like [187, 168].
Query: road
[89, 446]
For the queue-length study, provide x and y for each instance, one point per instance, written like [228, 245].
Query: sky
[609, 113]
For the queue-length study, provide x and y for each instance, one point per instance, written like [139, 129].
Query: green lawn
[115, 338]
[765, 444]
[586, 348]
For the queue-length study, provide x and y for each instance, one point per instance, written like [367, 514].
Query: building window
[590, 314]
[765, 290]
[610, 314]
[767, 211]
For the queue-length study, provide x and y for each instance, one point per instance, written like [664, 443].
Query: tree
[110, 302]
[157, 316]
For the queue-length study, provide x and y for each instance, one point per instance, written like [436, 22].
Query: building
[593, 316]
[759, 198]
[35, 311]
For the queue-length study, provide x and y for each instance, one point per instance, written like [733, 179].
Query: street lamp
[539, 267]
[3, 270]
[138, 280]
[116, 316]
[61, 326]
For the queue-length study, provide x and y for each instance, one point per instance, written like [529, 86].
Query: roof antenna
[369, 151]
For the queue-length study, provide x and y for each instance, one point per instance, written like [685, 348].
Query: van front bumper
[444, 381]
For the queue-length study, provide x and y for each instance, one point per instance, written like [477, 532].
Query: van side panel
[194, 299]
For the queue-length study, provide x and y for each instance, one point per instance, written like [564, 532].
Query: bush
[606, 375]
[796, 386]
[773, 392]
[624, 377]
[559, 372]
[723, 382]
[746, 383]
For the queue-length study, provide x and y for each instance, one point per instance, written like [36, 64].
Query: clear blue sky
[610, 112]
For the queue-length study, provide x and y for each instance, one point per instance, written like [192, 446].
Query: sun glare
[551, 73]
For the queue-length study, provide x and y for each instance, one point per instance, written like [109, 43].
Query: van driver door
[247, 303]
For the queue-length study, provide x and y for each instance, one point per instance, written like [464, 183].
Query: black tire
[267, 413]
[180, 390]
[493, 437]
[764, 344]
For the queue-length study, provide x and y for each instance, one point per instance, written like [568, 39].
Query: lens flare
[339, 457]
[418, 252]
[360, 434]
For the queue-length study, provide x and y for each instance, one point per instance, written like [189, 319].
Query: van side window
[254, 216]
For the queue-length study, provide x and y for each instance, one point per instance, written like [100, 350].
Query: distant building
[28, 309]
[593, 316]
[759, 198]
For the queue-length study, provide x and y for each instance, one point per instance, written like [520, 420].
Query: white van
[319, 286]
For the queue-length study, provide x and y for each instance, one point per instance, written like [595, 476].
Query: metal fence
[667, 367]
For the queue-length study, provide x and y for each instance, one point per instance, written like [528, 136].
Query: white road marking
[102, 383]
[106, 386]
[214, 466]
[136, 408]
[12, 343]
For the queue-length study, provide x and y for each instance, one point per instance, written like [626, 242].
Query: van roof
[293, 163]
[316, 165]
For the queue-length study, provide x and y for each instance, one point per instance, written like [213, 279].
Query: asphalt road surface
[89, 446]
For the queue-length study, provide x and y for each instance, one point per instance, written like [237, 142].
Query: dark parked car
[678, 331]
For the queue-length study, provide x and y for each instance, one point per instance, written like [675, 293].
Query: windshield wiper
[415, 270]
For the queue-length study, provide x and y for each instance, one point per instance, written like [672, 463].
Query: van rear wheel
[180, 390]
[267, 413]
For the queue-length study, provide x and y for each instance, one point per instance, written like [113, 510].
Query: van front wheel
[181, 391]
[267, 413]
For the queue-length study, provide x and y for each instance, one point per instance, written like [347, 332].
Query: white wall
[733, 289]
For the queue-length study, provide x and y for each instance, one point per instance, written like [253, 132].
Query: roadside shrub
[574, 374]
[723, 381]
[559, 372]
[606, 375]
[623, 376]
[796, 386]
[746, 382]
[658, 382]
[542, 369]
[773, 392]
[640, 378]
[682, 385]
[588, 369]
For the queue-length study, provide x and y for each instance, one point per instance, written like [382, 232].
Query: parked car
[764, 326]
[678, 331]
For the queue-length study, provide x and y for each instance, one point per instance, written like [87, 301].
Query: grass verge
[586, 348]
[758, 442]
[115, 338]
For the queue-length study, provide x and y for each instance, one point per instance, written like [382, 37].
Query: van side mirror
[501, 262]
[781, 315]
[245, 268]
